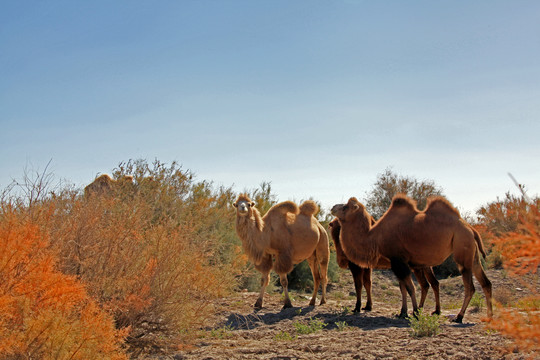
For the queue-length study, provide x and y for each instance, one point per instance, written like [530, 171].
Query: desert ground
[240, 332]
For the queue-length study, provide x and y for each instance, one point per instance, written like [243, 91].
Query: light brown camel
[411, 238]
[362, 276]
[105, 185]
[286, 235]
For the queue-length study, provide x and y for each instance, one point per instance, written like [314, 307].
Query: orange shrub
[44, 313]
[521, 253]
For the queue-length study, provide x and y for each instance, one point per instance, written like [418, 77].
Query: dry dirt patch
[240, 332]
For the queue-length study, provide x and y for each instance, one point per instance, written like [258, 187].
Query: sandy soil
[240, 332]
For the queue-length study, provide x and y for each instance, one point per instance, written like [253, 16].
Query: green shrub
[312, 326]
[424, 324]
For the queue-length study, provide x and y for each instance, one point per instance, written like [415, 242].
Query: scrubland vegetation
[136, 270]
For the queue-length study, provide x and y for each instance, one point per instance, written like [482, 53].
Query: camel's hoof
[323, 301]
[356, 310]
[436, 312]
[287, 305]
[258, 305]
[458, 319]
[402, 315]
[367, 308]
[312, 303]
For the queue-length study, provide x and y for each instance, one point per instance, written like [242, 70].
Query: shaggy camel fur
[105, 185]
[411, 238]
[362, 276]
[286, 235]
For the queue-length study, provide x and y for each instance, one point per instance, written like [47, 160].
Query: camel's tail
[309, 207]
[479, 242]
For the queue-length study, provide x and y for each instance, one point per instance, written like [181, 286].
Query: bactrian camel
[362, 276]
[286, 235]
[412, 238]
[105, 185]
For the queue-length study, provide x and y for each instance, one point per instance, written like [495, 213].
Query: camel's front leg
[403, 289]
[403, 273]
[284, 265]
[367, 285]
[358, 278]
[265, 279]
[285, 283]
[264, 267]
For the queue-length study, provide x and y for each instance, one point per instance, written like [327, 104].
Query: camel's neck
[357, 243]
[250, 229]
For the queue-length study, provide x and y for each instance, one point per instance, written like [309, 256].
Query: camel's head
[348, 211]
[243, 205]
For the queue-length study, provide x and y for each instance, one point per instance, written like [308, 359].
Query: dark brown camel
[412, 238]
[362, 276]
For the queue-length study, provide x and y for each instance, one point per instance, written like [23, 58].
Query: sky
[315, 97]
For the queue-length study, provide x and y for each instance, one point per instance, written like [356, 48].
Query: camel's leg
[486, 286]
[409, 285]
[264, 267]
[424, 285]
[367, 285]
[323, 263]
[466, 274]
[285, 284]
[403, 273]
[314, 266]
[358, 277]
[323, 257]
[284, 265]
[403, 289]
[265, 279]
[428, 273]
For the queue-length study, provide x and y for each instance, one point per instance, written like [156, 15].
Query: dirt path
[270, 333]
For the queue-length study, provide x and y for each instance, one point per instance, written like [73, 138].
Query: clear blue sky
[317, 97]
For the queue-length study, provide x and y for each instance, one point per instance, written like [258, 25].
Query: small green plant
[223, 332]
[299, 312]
[342, 325]
[312, 326]
[284, 336]
[424, 324]
[346, 311]
[477, 302]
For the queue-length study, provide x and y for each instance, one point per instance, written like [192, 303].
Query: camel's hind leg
[466, 274]
[428, 272]
[323, 257]
[426, 277]
[424, 285]
[314, 266]
[486, 286]
[367, 285]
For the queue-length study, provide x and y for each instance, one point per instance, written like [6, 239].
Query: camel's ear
[235, 204]
[356, 207]
[252, 204]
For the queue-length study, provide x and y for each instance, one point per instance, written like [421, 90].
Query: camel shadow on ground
[263, 317]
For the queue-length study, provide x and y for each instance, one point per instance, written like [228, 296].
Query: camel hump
[284, 207]
[402, 200]
[439, 203]
[309, 207]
